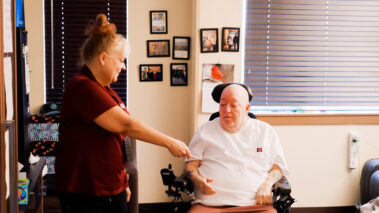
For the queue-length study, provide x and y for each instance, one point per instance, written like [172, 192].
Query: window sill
[330, 119]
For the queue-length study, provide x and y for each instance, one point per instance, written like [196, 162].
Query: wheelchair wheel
[181, 207]
[288, 210]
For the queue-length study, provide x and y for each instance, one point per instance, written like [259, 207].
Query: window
[64, 37]
[313, 56]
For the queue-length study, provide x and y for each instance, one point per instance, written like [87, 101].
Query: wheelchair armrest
[175, 184]
[282, 187]
[184, 183]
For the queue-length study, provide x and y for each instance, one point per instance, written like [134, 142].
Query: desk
[36, 192]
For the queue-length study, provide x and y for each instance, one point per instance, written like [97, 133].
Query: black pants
[83, 203]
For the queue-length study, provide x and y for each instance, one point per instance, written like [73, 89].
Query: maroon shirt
[89, 159]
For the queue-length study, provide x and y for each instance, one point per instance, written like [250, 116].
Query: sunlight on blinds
[313, 55]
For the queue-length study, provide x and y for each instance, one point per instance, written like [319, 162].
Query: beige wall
[215, 14]
[317, 158]
[36, 44]
[316, 155]
[158, 104]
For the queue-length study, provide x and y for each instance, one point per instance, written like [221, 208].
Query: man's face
[234, 107]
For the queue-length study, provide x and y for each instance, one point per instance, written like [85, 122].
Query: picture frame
[151, 72]
[158, 48]
[179, 74]
[230, 39]
[158, 22]
[209, 40]
[181, 48]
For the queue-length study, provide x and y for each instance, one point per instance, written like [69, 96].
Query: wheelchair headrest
[217, 91]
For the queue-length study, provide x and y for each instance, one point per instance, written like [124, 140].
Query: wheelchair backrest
[216, 95]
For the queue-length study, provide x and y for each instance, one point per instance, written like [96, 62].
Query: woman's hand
[178, 149]
[128, 194]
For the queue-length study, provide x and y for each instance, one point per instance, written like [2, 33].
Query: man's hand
[264, 194]
[204, 187]
[128, 194]
[198, 181]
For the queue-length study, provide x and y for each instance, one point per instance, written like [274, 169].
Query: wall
[158, 104]
[215, 14]
[34, 18]
[316, 155]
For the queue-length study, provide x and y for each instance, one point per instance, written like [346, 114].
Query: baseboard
[163, 207]
[339, 209]
[168, 208]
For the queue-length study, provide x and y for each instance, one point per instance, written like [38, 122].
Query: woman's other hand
[128, 194]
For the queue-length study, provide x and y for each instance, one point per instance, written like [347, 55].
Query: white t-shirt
[237, 162]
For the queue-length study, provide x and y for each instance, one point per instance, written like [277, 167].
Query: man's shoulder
[210, 124]
[255, 123]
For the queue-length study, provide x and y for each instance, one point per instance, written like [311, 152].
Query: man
[235, 159]
[236, 41]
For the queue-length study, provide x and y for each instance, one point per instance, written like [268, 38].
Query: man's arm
[264, 194]
[198, 181]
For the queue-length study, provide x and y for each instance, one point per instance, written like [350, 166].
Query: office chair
[282, 199]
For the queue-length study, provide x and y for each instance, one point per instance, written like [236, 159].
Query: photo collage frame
[162, 48]
[230, 40]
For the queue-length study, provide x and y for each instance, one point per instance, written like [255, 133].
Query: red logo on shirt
[259, 149]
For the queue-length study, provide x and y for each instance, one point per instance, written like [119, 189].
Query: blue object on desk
[22, 191]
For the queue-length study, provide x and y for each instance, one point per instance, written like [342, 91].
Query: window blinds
[65, 36]
[313, 54]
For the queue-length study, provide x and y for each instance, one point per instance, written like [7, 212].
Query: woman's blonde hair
[102, 37]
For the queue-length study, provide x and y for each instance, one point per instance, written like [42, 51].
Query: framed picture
[150, 72]
[158, 48]
[158, 22]
[230, 39]
[181, 48]
[209, 40]
[213, 75]
[178, 74]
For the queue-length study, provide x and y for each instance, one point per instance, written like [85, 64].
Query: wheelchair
[177, 186]
[282, 199]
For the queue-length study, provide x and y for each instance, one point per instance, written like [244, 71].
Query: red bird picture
[217, 75]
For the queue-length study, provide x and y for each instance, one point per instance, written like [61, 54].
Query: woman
[90, 162]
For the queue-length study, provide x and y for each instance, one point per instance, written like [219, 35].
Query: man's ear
[102, 57]
[247, 108]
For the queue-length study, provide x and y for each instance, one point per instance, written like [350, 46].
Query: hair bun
[101, 20]
[100, 26]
